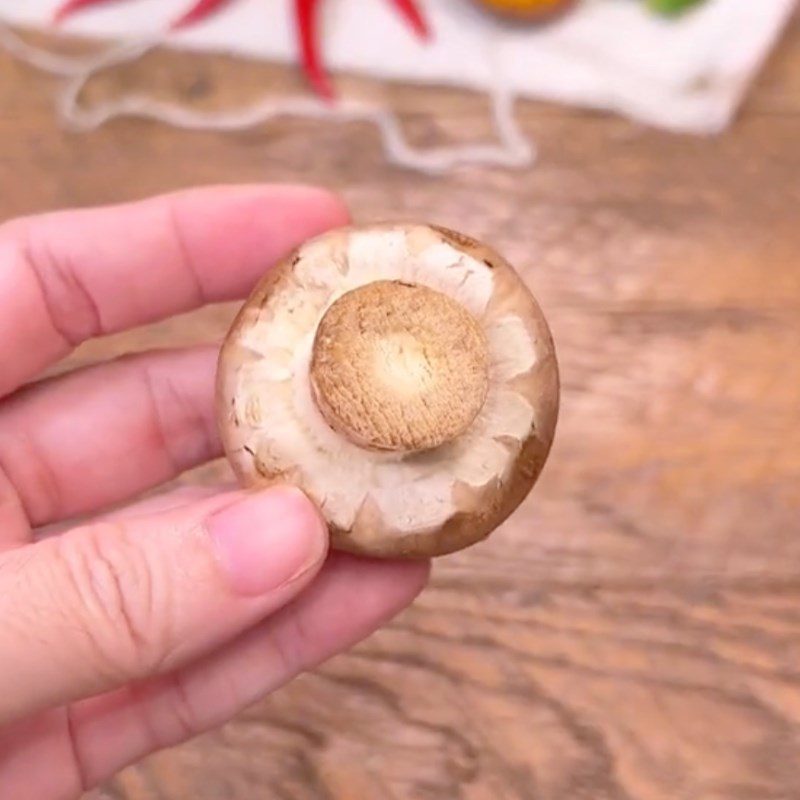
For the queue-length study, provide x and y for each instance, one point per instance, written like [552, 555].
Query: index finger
[69, 276]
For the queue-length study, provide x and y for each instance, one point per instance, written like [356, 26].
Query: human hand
[149, 625]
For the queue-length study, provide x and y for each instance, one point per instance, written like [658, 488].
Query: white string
[511, 150]
[42, 60]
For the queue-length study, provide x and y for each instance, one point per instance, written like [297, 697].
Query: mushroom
[401, 375]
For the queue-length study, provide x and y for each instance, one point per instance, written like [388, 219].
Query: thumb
[115, 602]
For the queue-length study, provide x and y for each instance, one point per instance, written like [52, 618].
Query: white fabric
[688, 75]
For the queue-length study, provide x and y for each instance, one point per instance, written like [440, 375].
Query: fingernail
[267, 539]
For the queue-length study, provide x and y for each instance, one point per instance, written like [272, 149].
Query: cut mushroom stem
[398, 366]
[403, 376]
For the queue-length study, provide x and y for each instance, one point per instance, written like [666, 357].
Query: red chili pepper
[307, 13]
[198, 12]
[413, 16]
[70, 7]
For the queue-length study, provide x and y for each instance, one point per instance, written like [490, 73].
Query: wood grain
[633, 633]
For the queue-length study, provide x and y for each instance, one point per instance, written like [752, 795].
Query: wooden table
[634, 631]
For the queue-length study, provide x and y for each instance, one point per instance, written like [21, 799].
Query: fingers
[112, 603]
[14, 528]
[349, 599]
[166, 501]
[68, 276]
[109, 432]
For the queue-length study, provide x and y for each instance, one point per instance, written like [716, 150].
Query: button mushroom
[403, 376]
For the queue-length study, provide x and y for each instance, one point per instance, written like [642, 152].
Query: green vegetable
[671, 7]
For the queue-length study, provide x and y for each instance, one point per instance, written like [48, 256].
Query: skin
[111, 650]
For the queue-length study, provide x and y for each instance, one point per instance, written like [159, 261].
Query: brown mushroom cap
[403, 376]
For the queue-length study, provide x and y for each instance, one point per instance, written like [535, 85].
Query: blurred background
[633, 632]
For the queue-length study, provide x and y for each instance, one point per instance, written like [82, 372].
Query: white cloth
[688, 74]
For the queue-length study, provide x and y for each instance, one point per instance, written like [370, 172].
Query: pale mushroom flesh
[403, 376]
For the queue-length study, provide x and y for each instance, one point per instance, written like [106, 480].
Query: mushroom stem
[399, 367]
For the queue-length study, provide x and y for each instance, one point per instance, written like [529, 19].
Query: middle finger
[97, 436]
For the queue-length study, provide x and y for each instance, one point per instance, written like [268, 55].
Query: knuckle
[174, 409]
[187, 719]
[291, 643]
[70, 305]
[116, 600]
[168, 712]
[22, 454]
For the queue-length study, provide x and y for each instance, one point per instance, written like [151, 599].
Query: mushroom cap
[403, 376]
